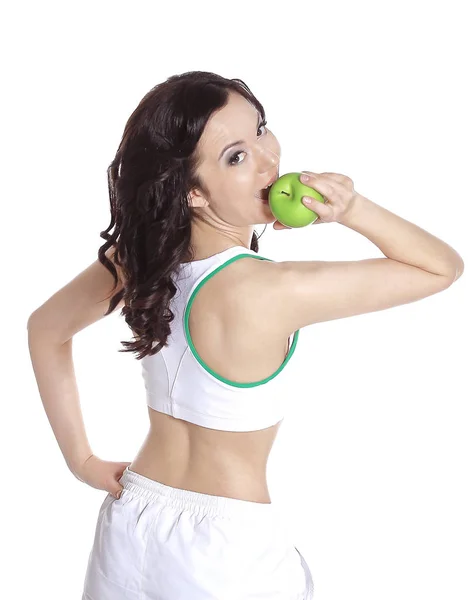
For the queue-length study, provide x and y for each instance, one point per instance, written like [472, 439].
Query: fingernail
[307, 200]
[117, 495]
[304, 178]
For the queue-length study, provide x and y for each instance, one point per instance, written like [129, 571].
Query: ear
[196, 199]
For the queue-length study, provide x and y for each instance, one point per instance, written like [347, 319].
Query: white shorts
[163, 543]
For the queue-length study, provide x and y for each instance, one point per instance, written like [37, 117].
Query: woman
[215, 327]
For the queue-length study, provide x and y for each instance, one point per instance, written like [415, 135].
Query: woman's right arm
[51, 328]
[294, 294]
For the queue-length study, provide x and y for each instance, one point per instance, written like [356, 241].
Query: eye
[231, 160]
[262, 124]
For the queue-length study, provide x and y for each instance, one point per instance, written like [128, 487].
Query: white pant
[163, 543]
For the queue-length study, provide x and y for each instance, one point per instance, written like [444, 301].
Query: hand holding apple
[286, 204]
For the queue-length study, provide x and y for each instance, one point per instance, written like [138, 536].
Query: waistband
[213, 506]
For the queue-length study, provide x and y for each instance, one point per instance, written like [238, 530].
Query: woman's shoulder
[246, 290]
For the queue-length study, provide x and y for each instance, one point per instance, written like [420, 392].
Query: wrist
[355, 207]
[76, 465]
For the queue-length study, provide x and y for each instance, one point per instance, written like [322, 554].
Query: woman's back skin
[230, 334]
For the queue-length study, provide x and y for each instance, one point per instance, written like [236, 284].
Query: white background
[374, 461]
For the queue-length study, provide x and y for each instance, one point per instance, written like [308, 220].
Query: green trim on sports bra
[193, 349]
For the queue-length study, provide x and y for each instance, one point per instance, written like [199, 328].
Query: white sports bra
[180, 384]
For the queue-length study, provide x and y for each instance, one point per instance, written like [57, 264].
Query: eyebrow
[238, 142]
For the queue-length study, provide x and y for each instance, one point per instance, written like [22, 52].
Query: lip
[272, 181]
[263, 199]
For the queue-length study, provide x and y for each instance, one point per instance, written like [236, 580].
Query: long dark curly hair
[149, 180]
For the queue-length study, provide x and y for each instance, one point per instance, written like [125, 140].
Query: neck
[207, 240]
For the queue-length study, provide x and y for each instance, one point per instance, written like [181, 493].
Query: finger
[332, 181]
[316, 206]
[277, 225]
[325, 187]
[120, 469]
[337, 176]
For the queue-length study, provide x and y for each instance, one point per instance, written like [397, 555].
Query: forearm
[54, 371]
[402, 240]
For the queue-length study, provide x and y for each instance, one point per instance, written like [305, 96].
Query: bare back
[231, 335]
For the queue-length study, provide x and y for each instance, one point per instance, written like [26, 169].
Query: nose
[268, 160]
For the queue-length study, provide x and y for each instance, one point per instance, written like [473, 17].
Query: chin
[265, 220]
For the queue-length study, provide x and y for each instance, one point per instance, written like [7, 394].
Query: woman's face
[234, 175]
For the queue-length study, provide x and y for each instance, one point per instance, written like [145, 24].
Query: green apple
[285, 202]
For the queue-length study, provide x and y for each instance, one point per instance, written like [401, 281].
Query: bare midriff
[221, 463]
